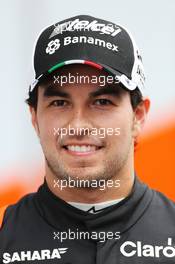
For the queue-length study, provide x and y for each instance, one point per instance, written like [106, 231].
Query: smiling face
[104, 113]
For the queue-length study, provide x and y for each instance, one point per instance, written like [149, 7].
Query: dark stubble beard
[109, 170]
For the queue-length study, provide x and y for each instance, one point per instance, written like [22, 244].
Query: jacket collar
[116, 218]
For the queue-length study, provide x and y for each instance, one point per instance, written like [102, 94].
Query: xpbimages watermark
[85, 235]
[101, 132]
[70, 78]
[101, 184]
[85, 25]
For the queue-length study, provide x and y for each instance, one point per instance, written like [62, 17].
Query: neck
[122, 186]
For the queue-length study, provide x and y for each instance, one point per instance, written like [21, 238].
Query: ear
[140, 114]
[34, 119]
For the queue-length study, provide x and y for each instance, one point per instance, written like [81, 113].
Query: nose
[80, 122]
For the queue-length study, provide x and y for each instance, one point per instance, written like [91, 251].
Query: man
[88, 107]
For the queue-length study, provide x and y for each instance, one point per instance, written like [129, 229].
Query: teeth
[82, 148]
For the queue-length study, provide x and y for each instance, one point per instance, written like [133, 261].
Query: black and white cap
[89, 40]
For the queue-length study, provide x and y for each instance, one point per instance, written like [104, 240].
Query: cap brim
[128, 84]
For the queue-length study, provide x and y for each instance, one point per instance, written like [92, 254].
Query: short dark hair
[135, 97]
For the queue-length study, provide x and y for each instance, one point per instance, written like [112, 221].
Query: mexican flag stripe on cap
[61, 64]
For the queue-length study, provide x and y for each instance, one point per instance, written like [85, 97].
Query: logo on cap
[52, 46]
[83, 25]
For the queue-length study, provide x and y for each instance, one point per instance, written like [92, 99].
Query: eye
[103, 101]
[58, 103]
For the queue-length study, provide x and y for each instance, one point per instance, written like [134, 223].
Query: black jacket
[139, 229]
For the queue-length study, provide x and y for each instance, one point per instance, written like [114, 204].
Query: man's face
[106, 114]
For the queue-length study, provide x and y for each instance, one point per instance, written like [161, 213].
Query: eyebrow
[51, 91]
[109, 89]
[114, 90]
